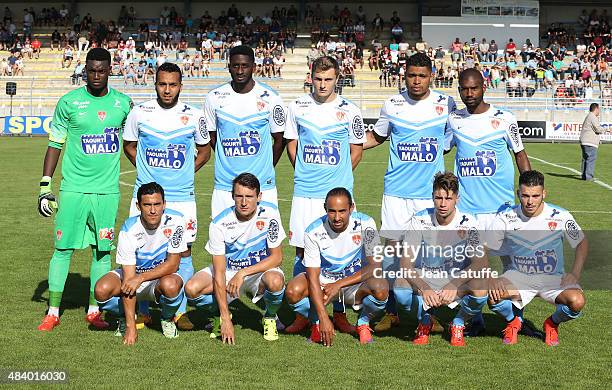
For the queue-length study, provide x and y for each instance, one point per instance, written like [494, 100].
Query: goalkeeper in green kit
[87, 124]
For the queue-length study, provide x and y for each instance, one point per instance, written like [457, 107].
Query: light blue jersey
[483, 162]
[443, 248]
[534, 245]
[340, 255]
[245, 243]
[324, 132]
[243, 124]
[417, 132]
[148, 249]
[166, 146]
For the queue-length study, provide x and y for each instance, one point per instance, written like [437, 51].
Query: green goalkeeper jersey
[90, 128]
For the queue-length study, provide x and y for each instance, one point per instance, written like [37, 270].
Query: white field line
[597, 181]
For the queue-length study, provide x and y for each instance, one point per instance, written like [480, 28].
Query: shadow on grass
[76, 293]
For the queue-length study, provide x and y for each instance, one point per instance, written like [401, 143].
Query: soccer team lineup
[432, 249]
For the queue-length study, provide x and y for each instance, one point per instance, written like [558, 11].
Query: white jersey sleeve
[494, 236]
[513, 137]
[126, 249]
[571, 230]
[130, 130]
[202, 137]
[277, 114]
[216, 243]
[413, 236]
[356, 129]
[382, 126]
[177, 242]
[291, 127]
[276, 233]
[312, 253]
[209, 113]
[371, 239]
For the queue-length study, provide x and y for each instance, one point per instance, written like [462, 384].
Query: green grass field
[97, 359]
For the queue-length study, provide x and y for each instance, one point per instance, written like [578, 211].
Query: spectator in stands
[181, 49]
[549, 77]
[55, 40]
[456, 50]
[483, 50]
[397, 32]
[278, 61]
[130, 73]
[67, 56]
[378, 23]
[512, 85]
[36, 45]
[77, 75]
[268, 65]
[510, 48]
[495, 76]
[527, 50]
[82, 44]
[5, 68]
[187, 66]
[164, 16]
[493, 49]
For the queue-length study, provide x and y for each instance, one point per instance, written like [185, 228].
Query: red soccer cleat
[48, 323]
[511, 331]
[299, 324]
[365, 334]
[342, 324]
[422, 334]
[552, 332]
[456, 336]
[95, 319]
[315, 334]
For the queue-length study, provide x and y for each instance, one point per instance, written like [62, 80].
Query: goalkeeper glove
[47, 204]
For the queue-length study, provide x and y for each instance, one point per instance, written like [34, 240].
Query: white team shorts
[346, 294]
[146, 291]
[223, 199]
[437, 284]
[396, 212]
[251, 284]
[547, 287]
[188, 209]
[303, 212]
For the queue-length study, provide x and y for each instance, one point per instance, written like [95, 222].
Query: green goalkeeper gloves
[47, 204]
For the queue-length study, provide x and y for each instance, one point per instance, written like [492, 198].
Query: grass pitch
[97, 359]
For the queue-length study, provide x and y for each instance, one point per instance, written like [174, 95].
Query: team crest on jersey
[106, 234]
[184, 119]
[177, 237]
[278, 114]
[58, 234]
[273, 230]
[261, 105]
[167, 232]
[357, 239]
[439, 110]
[260, 225]
[101, 115]
[495, 123]
[552, 225]
[358, 127]
[572, 229]
[191, 224]
[340, 115]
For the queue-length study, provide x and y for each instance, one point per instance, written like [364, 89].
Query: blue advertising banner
[27, 125]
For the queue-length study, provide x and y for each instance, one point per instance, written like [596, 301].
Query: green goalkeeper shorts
[86, 219]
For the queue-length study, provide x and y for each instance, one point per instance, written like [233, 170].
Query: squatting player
[245, 243]
[88, 121]
[338, 256]
[325, 139]
[243, 117]
[532, 234]
[447, 258]
[416, 122]
[167, 141]
[483, 135]
[149, 252]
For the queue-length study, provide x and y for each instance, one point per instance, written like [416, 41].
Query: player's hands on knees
[130, 286]
[47, 203]
[431, 298]
[233, 286]
[227, 332]
[497, 289]
[568, 279]
[330, 291]
[326, 327]
[448, 294]
[131, 335]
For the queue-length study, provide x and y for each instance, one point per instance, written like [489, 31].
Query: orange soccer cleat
[299, 324]
[552, 332]
[95, 319]
[342, 324]
[315, 334]
[48, 323]
[511, 331]
[365, 334]
[422, 334]
[456, 336]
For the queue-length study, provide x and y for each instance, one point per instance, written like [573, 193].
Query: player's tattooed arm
[522, 161]
[129, 148]
[373, 140]
[278, 146]
[220, 291]
[292, 150]
[203, 155]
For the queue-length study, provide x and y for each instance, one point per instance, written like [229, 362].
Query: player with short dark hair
[532, 234]
[246, 120]
[88, 122]
[149, 252]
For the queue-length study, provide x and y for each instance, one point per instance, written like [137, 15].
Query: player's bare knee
[170, 285]
[294, 292]
[273, 281]
[192, 289]
[576, 301]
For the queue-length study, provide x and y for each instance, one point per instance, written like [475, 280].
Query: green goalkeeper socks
[58, 273]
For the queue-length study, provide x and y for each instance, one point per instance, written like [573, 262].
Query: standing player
[338, 256]
[245, 243]
[89, 122]
[325, 139]
[447, 269]
[149, 252]
[167, 141]
[483, 134]
[242, 116]
[416, 122]
[532, 234]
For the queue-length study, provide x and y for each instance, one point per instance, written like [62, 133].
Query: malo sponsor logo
[106, 143]
[426, 150]
[171, 158]
[247, 144]
[328, 153]
[483, 165]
